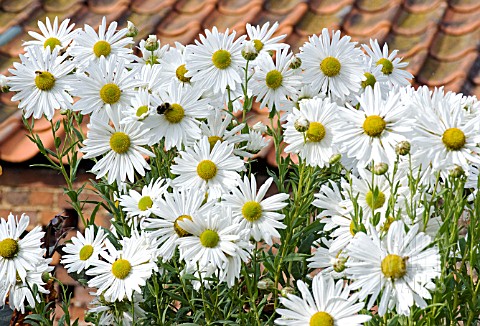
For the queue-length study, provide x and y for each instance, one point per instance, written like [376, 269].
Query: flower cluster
[362, 158]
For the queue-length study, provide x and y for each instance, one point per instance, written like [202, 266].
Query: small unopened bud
[249, 52]
[380, 168]
[132, 29]
[234, 122]
[301, 124]
[64, 111]
[151, 44]
[3, 84]
[335, 158]
[339, 264]
[265, 284]
[46, 277]
[295, 62]
[286, 291]
[457, 171]
[259, 127]
[402, 148]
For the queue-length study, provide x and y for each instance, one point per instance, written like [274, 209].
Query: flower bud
[286, 291]
[380, 168]
[132, 29]
[295, 62]
[46, 277]
[265, 284]
[3, 84]
[259, 127]
[301, 124]
[339, 264]
[249, 52]
[152, 44]
[402, 148]
[64, 111]
[335, 158]
[457, 172]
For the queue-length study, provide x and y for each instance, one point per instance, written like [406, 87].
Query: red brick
[41, 198]
[17, 198]
[62, 275]
[82, 296]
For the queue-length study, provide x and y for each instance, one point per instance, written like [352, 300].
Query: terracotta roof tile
[452, 47]
[458, 23]
[150, 6]
[439, 38]
[437, 72]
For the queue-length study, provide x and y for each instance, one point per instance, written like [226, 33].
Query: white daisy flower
[314, 142]
[124, 271]
[329, 303]
[217, 128]
[176, 206]
[54, 36]
[19, 255]
[176, 119]
[445, 133]
[105, 88]
[89, 46]
[333, 65]
[254, 212]
[214, 170]
[372, 132]
[83, 250]
[306, 92]
[330, 262]
[392, 67]
[401, 266]
[216, 61]
[117, 314]
[122, 149]
[146, 203]
[42, 83]
[21, 291]
[141, 107]
[151, 57]
[262, 37]
[273, 82]
[255, 142]
[150, 77]
[213, 238]
[174, 66]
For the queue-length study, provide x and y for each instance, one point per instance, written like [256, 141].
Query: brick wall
[39, 193]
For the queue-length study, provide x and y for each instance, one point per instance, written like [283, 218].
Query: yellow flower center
[377, 202]
[9, 248]
[321, 318]
[145, 203]
[120, 142]
[252, 211]
[52, 42]
[141, 111]
[454, 139]
[330, 66]
[274, 79]
[44, 80]
[387, 66]
[86, 252]
[175, 113]
[206, 170]
[222, 59]
[102, 48]
[258, 45]
[110, 93]
[181, 232]
[213, 140]
[315, 132]
[121, 268]
[394, 266]
[180, 72]
[374, 125]
[370, 81]
[209, 238]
